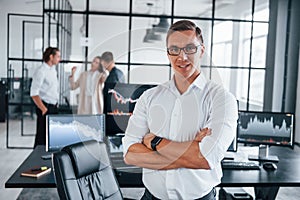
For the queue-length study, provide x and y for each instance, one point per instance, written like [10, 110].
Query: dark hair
[49, 51]
[185, 25]
[107, 57]
[100, 66]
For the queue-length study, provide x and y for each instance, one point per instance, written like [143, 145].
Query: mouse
[46, 156]
[269, 166]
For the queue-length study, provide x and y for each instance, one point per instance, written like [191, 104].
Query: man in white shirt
[44, 92]
[180, 130]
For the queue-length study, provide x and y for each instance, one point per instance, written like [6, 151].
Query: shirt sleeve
[37, 81]
[137, 125]
[223, 121]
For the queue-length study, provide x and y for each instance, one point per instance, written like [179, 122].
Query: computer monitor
[66, 129]
[266, 128]
[119, 102]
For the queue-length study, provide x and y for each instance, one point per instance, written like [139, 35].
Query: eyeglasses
[189, 49]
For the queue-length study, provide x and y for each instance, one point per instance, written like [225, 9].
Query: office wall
[278, 51]
[292, 57]
[297, 127]
[13, 6]
[107, 34]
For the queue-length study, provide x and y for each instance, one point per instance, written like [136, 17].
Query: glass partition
[234, 9]
[109, 33]
[193, 8]
[109, 6]
[155, 74]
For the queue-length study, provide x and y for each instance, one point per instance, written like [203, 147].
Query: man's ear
[50, 59]
[202, 49]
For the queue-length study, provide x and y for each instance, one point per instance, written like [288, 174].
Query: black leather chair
[83, 171]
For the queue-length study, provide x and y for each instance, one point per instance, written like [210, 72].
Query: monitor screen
[66, 129]
[269, 128]
[119, 103]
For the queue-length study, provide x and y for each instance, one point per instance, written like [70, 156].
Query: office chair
[83, 171]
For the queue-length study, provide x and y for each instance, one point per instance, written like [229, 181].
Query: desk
[34, 159]
[287, 174]
[126, 177]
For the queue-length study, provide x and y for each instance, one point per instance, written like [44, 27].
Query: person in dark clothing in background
[115, 75]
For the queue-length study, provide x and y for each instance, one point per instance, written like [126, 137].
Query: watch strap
[155, 141]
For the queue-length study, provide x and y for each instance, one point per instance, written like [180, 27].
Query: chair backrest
[83, 171]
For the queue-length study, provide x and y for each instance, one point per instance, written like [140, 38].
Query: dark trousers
[40, 138]
[210, 196]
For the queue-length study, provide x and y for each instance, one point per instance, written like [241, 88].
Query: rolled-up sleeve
[37, 81]
[137, 125]
[223, 121]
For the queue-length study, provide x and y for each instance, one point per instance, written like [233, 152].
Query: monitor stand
[263, 155]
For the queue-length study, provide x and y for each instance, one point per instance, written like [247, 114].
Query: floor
[12, 158]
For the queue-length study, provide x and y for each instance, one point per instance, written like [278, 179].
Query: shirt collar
[47, 66]
[199, 82]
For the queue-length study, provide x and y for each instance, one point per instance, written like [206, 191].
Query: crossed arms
[169, 154]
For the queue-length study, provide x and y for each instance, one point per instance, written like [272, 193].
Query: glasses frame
[184, 50]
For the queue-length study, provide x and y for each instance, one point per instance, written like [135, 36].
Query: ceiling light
[151, 36]
[162, 26]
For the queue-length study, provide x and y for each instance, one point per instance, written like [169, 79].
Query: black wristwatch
[155, 141]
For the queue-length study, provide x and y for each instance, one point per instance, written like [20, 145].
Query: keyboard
[240, 165]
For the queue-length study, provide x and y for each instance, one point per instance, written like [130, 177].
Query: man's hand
[44, 111]
[202, 133]
[38, 102]
[147, 140]
[198, 138]
[169, 154]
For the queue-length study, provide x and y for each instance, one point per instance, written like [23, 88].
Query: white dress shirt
[45, 84]
[167, 113]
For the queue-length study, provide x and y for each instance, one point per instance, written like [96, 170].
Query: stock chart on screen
[269, 128]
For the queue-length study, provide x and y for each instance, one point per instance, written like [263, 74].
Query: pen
[40, 168]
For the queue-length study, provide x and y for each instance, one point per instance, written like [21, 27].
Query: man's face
[54, 59]
[104, 64]
[185, 65]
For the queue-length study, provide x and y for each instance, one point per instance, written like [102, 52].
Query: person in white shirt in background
[180, 130]
[44, 92]
[91, 85]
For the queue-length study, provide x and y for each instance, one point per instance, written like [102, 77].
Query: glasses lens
[174, 51]
[190, 49]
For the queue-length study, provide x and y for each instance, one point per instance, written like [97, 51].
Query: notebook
[36, 172]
